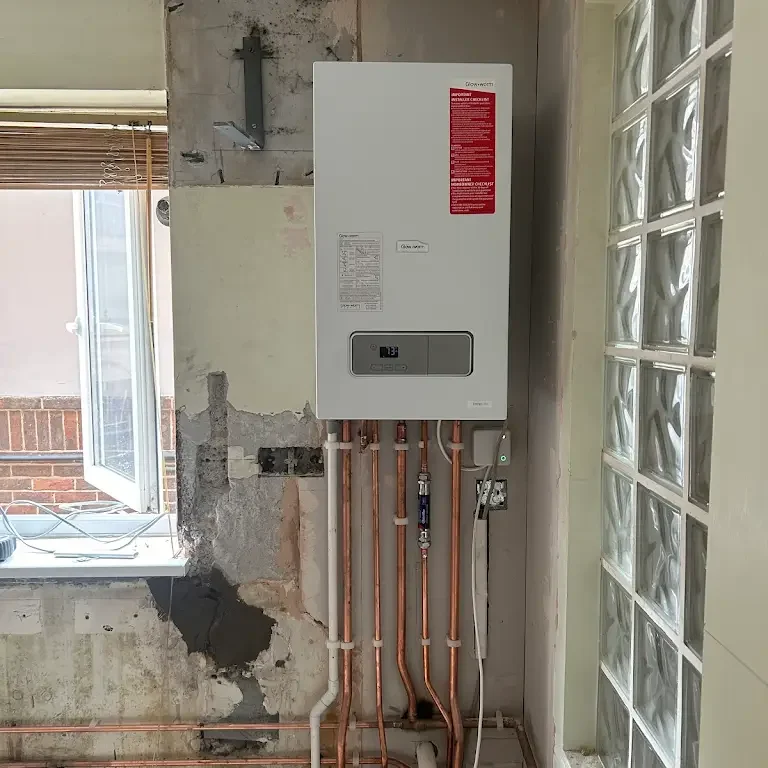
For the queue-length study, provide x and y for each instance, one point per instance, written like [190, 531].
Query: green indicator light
[502, 458]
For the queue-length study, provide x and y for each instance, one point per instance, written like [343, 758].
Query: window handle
[75, 327]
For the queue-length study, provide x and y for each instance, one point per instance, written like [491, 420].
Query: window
[119, 409]
[86, 417]
[671, 89]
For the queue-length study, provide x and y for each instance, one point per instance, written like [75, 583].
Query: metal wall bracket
[252, 136]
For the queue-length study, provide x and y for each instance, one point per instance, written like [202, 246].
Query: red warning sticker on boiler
[473, 147]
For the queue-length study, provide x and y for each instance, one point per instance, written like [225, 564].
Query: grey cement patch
[223, 514]
[203, 476]
[247, 529]
[212, 619]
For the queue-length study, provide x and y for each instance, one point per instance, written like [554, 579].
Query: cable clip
[422, 444]
[332, 645]
[400, 520]
[374, 446]
[499, 720]
[456, 446]
[331, 445]
[401, 446]
[426, 641]
[355, 755]
[377, 643]
[346, 446]
[352, 723]
[452, 643]
[347, 646]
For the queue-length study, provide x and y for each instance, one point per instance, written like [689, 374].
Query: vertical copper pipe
[377, 590]
[346, 546]
[453, 630]
[425, 649]
[402, 662]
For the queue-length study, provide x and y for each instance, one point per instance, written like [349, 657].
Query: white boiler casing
[412, 174]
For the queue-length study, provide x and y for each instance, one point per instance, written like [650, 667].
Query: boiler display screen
[389, 352]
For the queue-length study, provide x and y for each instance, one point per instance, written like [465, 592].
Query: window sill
[154, 557]
[156, 552]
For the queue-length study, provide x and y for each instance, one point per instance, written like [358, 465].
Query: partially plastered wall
[249, 619]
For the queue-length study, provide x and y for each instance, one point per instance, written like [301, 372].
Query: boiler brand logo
[475, 84]
[412, 246]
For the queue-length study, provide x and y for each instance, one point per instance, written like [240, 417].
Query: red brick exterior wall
[51, 427]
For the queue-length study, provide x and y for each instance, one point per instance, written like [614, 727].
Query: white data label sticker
[412, 246]
[360, 271]
[479, 403]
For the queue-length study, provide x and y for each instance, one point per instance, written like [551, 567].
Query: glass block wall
[669, 127]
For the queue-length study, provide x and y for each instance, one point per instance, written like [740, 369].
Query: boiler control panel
[411, 354]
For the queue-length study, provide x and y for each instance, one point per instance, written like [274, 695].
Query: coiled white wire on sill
[74, 511]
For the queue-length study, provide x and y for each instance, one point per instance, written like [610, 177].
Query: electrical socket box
[412, 175]
[484, 446]
[498, 498]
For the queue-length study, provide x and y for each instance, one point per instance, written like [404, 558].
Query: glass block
[673, 149]
[668, 275]
[702, 414]
[628, 175]
[620, 383]
[691, 716]
[612, 726]
[616, 630]
[720, 16]
[709, 284]
[695, 585]
[715, 127]
[661, 422]
[658, 553]
[617, 520]
[677, 35]
[623, 321]
[655, 690]
[643, 755]
[631, 69]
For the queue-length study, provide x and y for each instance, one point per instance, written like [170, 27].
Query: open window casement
[119, 403]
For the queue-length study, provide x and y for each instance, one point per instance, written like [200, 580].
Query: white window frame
[143, 493]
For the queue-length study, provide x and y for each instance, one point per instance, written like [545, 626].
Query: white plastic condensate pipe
[315, 716]
[426, 755]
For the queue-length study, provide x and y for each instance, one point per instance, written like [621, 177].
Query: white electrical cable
[475, 625]
[439, 435]
[73, 510]
[479, 655]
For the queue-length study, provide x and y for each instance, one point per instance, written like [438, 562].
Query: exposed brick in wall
[52, 425]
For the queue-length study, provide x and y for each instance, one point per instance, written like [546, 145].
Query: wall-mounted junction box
[412, 214]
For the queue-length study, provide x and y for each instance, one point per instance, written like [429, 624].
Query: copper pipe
[275, 760]
[346, 547]
[425, 649]
[453, 629]
[402, 662]
[295, 725]
[375, 513]
[424, 447]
